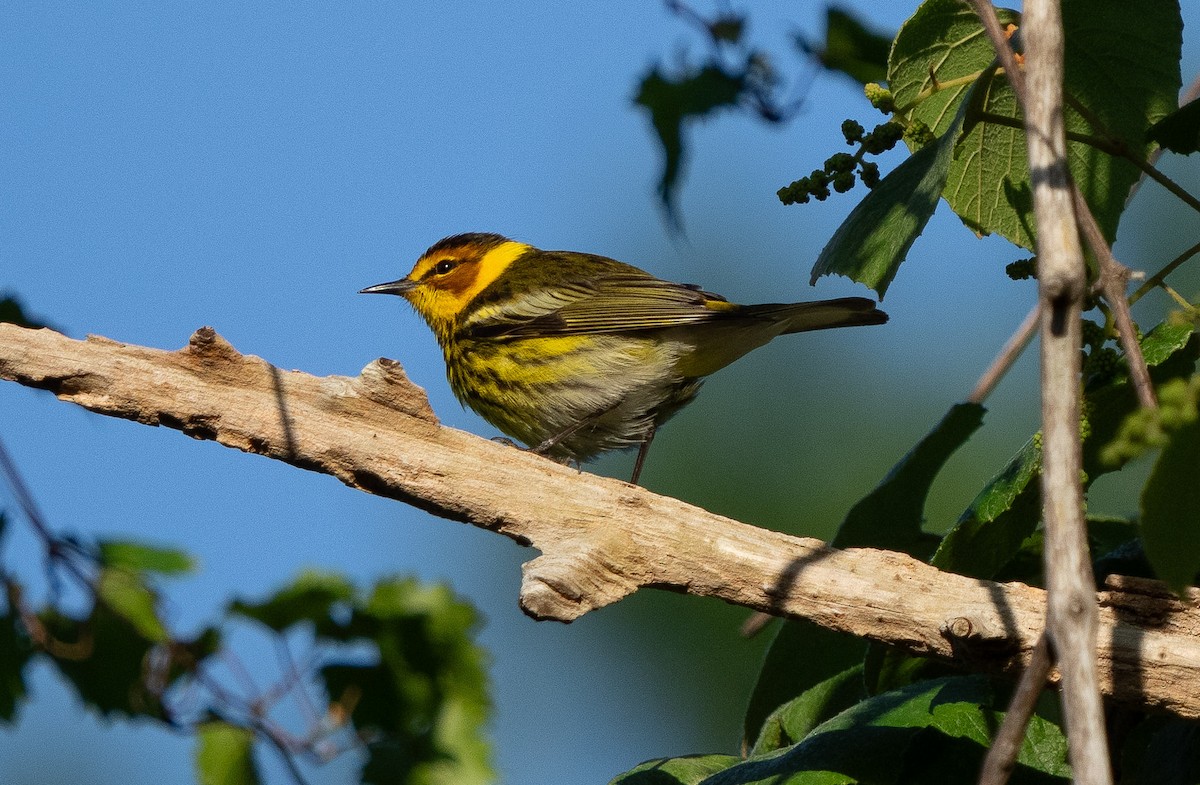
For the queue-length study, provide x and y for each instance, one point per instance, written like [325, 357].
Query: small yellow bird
[575, 354]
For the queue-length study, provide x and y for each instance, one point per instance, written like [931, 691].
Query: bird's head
[450, 274]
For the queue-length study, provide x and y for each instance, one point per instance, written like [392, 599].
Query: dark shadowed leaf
[104, 657]
[11, 311]
[14, 653]
[1171, 509]
[891, 516]
[850, 47]
[672, 102]
[1179, 131]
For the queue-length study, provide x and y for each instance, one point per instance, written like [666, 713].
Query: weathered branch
[600, 539]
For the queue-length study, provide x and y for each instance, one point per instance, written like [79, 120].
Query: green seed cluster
[880, 97]
[1022, 269]
[841, 170]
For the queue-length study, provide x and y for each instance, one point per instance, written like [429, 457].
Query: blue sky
[251, 166]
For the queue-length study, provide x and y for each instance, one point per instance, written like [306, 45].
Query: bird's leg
[547, 445]
[641, 456]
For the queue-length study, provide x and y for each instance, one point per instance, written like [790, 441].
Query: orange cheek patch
[460, 282]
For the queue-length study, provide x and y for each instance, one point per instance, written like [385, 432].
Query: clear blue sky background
[251, 166]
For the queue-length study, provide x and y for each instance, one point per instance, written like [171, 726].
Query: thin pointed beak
[401, 287]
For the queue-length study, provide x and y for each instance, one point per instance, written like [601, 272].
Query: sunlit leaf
[224, 755]
[425, 702]
[940, 49]
[127, 595]
[795, 719]
[685, 770]
[141, 557]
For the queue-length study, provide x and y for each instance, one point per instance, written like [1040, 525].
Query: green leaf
[802, 656]
[997, 522]
[988, 184]
[685, 770]
[795, 719]
[875, 238]
[1164, 341]
[1179, 131]
[140, 557]
[14, 654]
[311, 597]
[426, 702]
[1171, 509]
[850, 47]
[224, 755]
[127, 595]
[673, 101]
[105, 659]
[891, 516]
[933, 731]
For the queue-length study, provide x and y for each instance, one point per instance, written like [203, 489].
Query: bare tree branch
[600, 539]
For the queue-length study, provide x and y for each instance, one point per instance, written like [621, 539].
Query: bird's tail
[822, 314]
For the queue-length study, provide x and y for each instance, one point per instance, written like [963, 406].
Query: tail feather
[822, 314]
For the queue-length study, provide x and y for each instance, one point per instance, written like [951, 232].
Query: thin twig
[1158, 278]
[1113, 283]
[1001, 757]
[1008, 355]
[1072, 616]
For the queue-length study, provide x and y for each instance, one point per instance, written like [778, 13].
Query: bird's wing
[608, 304]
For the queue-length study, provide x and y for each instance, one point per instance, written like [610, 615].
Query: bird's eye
[444, 266]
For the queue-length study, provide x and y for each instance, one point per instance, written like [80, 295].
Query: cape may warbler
[575, 354]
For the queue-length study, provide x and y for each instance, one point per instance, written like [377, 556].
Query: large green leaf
[943, 46]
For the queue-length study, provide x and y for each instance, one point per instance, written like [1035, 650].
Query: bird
[574, 354]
